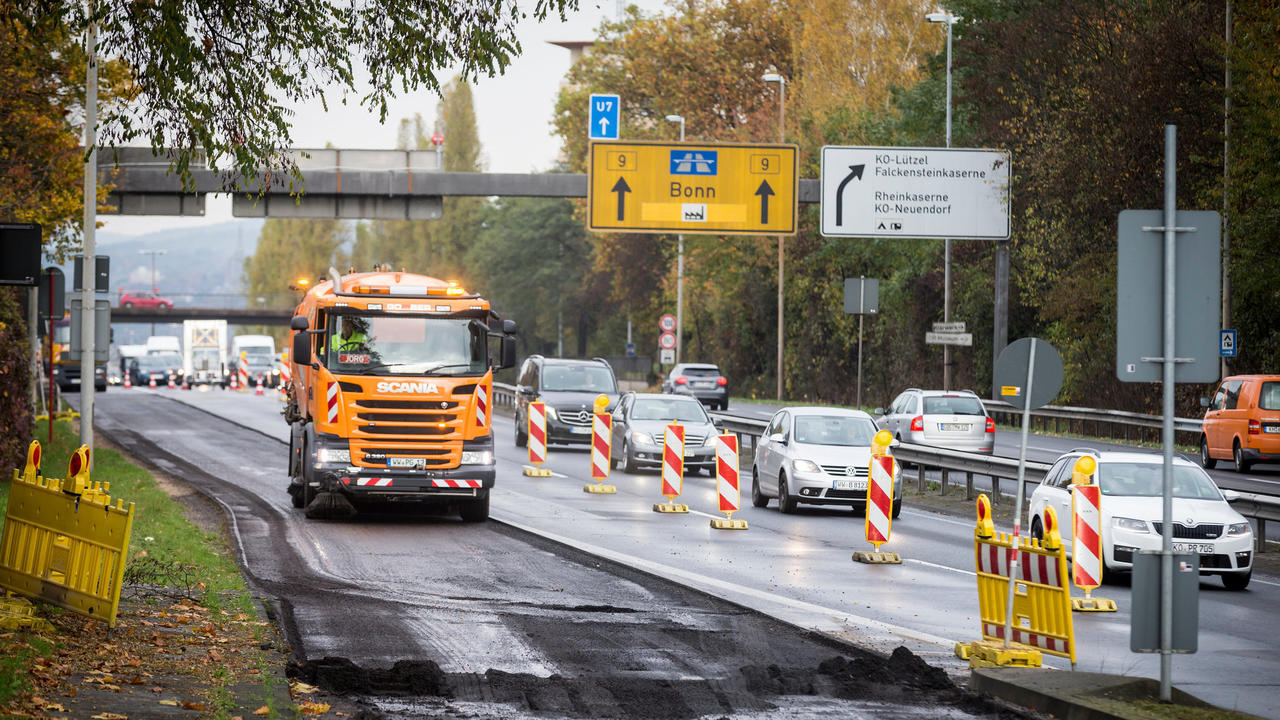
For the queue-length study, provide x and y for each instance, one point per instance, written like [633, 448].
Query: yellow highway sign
[718, 189]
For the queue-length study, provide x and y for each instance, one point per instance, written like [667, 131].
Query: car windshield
[953, 405]
[159, 361]
[1147, 480]
[406, 345]
[834, 430]
[664, 409]
[585, 378]
[1269, 396]
[255, 358]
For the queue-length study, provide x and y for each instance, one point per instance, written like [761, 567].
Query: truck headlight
[1124, 523]
[477, 457]
[1238, 529]
[333, 455]
[804, 466]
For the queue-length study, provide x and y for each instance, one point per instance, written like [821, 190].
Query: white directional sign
[948, 327]
[603, 118]
[937, 338]
[915, 192]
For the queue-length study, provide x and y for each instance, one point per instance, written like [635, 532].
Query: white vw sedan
[819, 456]
[1133, 508]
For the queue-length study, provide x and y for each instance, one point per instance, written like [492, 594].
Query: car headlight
[1238, 529]
[551, 413]
[1124, 523]
[711, 440]
[477, 457]
[333, 455]
[805, 466]
[640, 438]
[275, 371]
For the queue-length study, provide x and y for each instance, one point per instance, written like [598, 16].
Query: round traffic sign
[667, 323]
[667, 341]
[1014, 368]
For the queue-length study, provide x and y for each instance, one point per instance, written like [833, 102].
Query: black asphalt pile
[902, 679]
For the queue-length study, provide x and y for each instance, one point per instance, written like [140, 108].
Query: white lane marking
[706, 584]
[1266, 582]
[940, 567]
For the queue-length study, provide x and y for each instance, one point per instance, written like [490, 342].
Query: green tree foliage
[15, 381]
[218, 77]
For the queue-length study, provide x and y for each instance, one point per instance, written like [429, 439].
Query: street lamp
[679, 266]
[782, 129]
[949, 19]
[154, 291]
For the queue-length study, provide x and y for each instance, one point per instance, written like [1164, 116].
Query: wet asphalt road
[483, 614]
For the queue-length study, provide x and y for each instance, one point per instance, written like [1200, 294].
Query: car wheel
[786, 503]
[1037, 531]
[128, 305]
[1237, 581]
[522, 438]
[897, 508]
[757, 498]
[1237, 453]
[1205, 461]
[476, 510]
[724, 406]
[628, 463]
[295, 495]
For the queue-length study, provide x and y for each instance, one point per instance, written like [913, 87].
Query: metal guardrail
[1261, 508]
[1135, 426]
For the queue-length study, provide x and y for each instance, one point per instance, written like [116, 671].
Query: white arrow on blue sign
[604, 114]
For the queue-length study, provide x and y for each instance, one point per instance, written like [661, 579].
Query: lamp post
[154, 291]
[949, 19]
[679, 267]
[782, 130]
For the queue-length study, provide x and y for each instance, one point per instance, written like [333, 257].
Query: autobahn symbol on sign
[720, 189]
[915, 192]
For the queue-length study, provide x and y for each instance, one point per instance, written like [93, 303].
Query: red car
[145, 300]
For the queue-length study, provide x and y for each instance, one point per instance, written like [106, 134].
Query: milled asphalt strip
[793, 612]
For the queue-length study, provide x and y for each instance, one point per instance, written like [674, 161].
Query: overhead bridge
[178, 314]
[342, 184]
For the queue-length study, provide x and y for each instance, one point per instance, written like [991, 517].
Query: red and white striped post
[672, 469]
[172, 385]
[128, 379]
[879, 507]
[727, 488]
[284, 377]
[152, 382]
[1086, 537]
[537, 440]
[262, 382]
[482, 405]
[243, 371]
[601, 446]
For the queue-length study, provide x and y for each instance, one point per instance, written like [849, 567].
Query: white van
[260, 353]
[163, 344]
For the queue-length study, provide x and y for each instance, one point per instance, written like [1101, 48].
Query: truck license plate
[850, 484]
[404, 462]
[1202, 548]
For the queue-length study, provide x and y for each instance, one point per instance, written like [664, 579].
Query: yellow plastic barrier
[1041, 602]
[63, 542]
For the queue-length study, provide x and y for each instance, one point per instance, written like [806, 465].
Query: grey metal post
[862, 309]
[88, 276]
[782, 137]
[1166, 543]
[33, 327]
[946, 244]
[1001, 335]
[679, 296]
[1226, 188]
[1017, 505]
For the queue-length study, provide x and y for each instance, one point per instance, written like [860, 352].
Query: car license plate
[1202, 548]
[579, 430]
[954, 427]
[851, 484]
[702, 384]
[404, 462]
[1271, 428]
[689, 451]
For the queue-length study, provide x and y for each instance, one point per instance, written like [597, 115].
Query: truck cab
[392, 394]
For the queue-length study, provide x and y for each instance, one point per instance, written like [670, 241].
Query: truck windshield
[405, 345]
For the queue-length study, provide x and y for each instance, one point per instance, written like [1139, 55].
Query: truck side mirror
[301, 352]
[299, 322]
[508, 350]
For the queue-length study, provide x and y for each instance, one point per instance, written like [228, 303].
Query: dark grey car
[639, 422]
[701, 380]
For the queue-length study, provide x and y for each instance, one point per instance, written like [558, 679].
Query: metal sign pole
[1170, 295]
[1017, 505]
[88, 378]
[862, 311]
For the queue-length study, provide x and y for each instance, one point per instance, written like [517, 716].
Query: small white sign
[951, 327]
[667, 357]
[915, 192]
[934, 338]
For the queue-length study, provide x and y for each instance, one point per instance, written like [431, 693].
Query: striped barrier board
[1041, 614]
[727, 487]
[879, 511]
[672, 469]
[1086, 548]
[601, 447]
[435, 482]
[243, 371]
[482, 405]
[537, 440]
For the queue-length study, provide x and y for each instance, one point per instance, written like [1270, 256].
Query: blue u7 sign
[605, 112]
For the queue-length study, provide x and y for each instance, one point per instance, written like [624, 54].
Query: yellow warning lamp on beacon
[986, 527]
[602, 402]
[1052, 539]
[881, 442]
[1082, 473]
